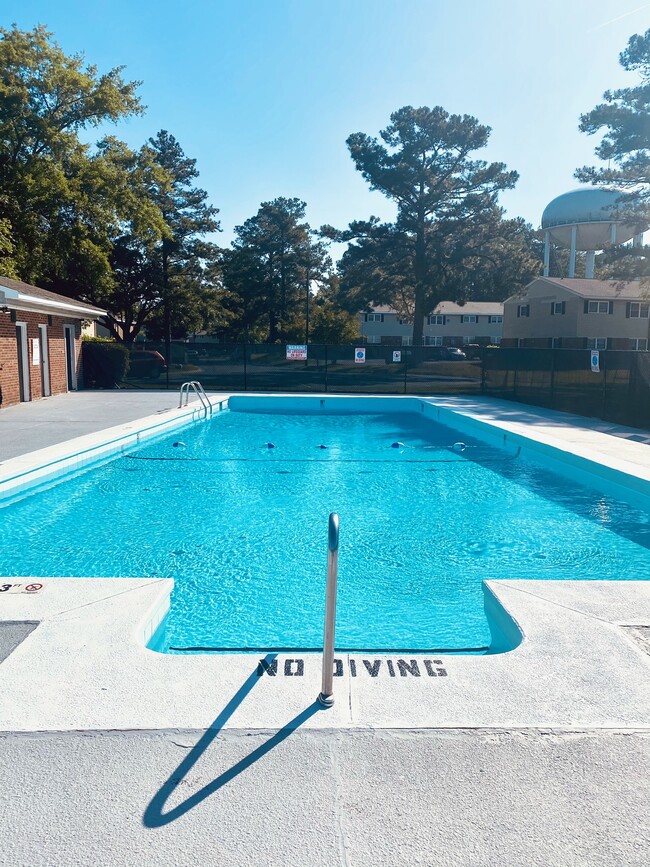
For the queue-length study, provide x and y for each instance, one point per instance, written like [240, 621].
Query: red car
[146, 364]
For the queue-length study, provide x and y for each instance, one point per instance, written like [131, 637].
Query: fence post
[245, 372]
[406, 364]
[552, 397]
[326, 368]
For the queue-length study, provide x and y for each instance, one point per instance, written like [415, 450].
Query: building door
[70, 361]
[45, 361]
[23, 360]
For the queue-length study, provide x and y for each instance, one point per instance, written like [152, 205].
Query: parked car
[447, 353]
[473, 350]
[146, 364]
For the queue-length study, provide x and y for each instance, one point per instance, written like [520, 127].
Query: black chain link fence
[556, 378]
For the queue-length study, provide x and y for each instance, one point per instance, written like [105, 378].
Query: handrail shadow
[154, 817]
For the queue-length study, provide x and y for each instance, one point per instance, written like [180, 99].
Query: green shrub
[105, 362]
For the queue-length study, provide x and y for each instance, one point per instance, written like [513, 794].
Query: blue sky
[263, 93]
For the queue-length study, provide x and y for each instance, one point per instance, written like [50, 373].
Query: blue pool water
[243, 530]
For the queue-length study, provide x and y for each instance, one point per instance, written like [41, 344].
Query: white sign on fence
[595, 361]
[296, 352]
[360, 355]
[397, 355]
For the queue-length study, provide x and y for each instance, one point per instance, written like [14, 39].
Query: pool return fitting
[326, 696]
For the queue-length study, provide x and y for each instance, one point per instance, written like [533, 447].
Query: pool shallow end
[505, 635]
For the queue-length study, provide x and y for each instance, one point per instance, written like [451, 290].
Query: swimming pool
[241, 527]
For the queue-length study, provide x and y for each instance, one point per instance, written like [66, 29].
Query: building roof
[482, 308]
[588, 288]
[24, 296]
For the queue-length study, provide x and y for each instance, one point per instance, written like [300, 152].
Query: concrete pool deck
[539, 756]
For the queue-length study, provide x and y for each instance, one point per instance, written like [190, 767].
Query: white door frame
[45, 361]
[70, 358]
[23, 360]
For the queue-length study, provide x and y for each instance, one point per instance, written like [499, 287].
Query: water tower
[588, 219]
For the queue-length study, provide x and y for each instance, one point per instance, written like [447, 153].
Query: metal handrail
[326, 697]
[198, 389]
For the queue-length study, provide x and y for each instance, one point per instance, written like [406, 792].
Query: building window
[597, 342]
[469, 318]
[374, 317]
[598, 307]
[436, 319]
[558, 308]
[373, 338]
[432, 340]
[556, 343]
[495, 340]
[640, 344]
[495, 319]
[635, 310]
[407, 341]
[523, 310]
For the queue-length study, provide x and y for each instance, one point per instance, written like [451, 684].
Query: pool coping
[93, 632]
[19, 475]
[86, 667]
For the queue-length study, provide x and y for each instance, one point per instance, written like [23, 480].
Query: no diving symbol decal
[14, 587]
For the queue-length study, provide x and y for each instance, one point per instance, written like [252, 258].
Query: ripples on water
[243, 529]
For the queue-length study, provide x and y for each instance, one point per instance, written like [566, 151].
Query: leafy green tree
[423, 163]
[184, 254]
[623, 118]
[55, 198]
[163, 277]
[487, 260]
[275, 258]
[330, 321]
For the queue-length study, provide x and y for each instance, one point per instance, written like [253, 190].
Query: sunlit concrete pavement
[361, 799]
[26, 427]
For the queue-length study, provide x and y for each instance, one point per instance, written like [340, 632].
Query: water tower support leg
[572, 258]
[590, 263]
[547, 252]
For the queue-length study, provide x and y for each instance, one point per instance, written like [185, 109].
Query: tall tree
[487, 260]
[275, 259]
[624, 119]
[47, 176]
[423, 163]
[184, 253]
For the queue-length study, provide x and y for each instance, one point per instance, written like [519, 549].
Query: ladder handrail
[198, 389]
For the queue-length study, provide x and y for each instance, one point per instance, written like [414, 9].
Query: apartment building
[572, 313]
[450, 324]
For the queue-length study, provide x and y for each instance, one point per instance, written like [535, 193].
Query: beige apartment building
[449, 325]
[572, 313]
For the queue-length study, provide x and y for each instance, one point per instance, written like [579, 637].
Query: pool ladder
[198, 389]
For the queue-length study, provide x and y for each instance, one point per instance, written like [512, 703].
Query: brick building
[40, 342]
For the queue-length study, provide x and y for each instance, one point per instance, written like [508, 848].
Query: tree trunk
[273, 327]
[420, 267]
